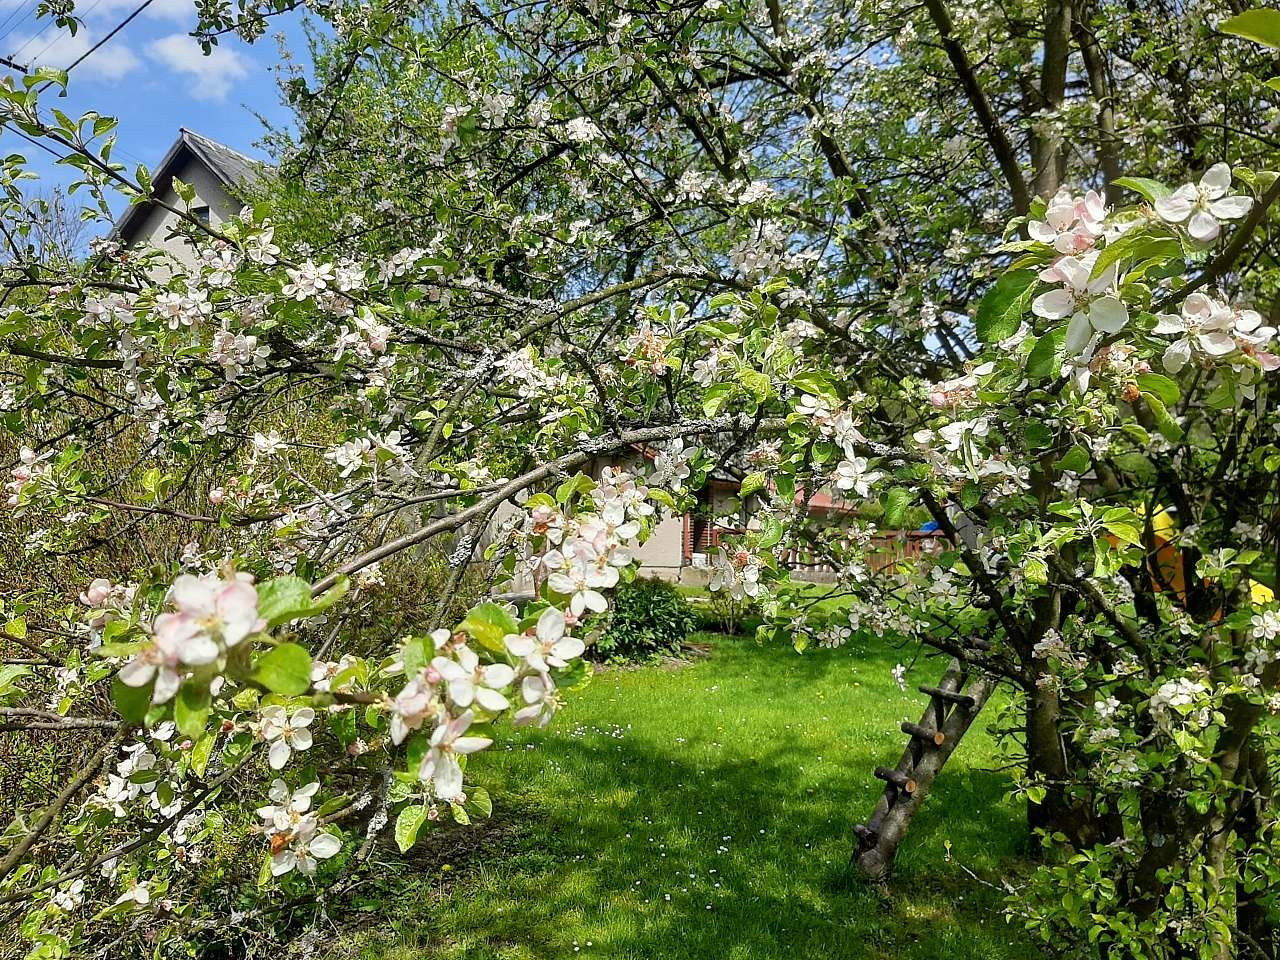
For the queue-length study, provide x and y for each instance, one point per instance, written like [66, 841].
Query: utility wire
[120, 26]
[16, 17]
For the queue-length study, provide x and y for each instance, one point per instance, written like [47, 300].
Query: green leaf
[1125, 533]
[1037, 435]
[131, 702]
[264, 872]
[202, 751]
[1002, 308]
[1136, 245]
[1165, 423]
[1076, 460]
[489, 624]
[1261, 25]
[479, 803]
[191, 707]
[416, 654]
[408, 823]
[1161, 386]
[715, 398]
[895, 507]
[1152, 190]
[1040, 363]
[757, 384]
[283, 599]
[578, 483]
[816, 383]
[284, 669]
[752, 483]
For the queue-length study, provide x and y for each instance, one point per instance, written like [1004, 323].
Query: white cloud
[175, 11]
[213, 75]
[111, 61]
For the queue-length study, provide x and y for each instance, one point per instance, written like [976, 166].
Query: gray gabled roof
[231, 168]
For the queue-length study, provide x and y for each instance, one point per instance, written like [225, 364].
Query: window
[201, 214]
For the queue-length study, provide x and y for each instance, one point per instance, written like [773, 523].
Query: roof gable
[229, 167]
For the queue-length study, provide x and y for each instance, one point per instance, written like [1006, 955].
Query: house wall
[158, 223]
[662, 554]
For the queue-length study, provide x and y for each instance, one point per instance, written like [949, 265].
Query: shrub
[650, 618]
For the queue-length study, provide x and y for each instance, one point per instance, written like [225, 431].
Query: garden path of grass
[706, 812]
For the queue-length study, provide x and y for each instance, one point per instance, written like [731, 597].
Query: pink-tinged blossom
[1205, 325]
[1201, 206]
[1090, 303]
[227, 609]
[1071, 225]
[441, 765]
[412, 706]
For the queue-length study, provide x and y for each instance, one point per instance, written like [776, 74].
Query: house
[217, 173]
[681, 548]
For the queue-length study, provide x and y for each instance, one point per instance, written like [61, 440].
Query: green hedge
[650, 618]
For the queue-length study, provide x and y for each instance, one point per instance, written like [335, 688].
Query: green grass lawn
[705, 812]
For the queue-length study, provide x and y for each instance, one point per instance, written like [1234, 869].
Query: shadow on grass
[727, 837]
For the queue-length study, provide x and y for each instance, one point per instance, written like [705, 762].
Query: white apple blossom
[1201, 206]
[853, 475]
[440, 765]
[307, 844]
[738, 573]
[286, 810]
[548, 646]
[1091, 304]
[469, 681]
[285, 732]
[1071, 225]
[541, 700]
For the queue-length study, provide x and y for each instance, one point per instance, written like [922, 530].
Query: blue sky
[152, 76]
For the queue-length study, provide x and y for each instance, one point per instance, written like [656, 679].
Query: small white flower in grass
[548, 647]
[306, 846]
[285, 733]
[470, 682]
[440, 765]
[1201, 206]
[900, 676]
[286, 810]
[1091, 304]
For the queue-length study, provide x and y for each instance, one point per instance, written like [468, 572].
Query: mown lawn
[705, 812]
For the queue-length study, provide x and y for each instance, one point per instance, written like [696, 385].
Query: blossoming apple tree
[525, 279]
